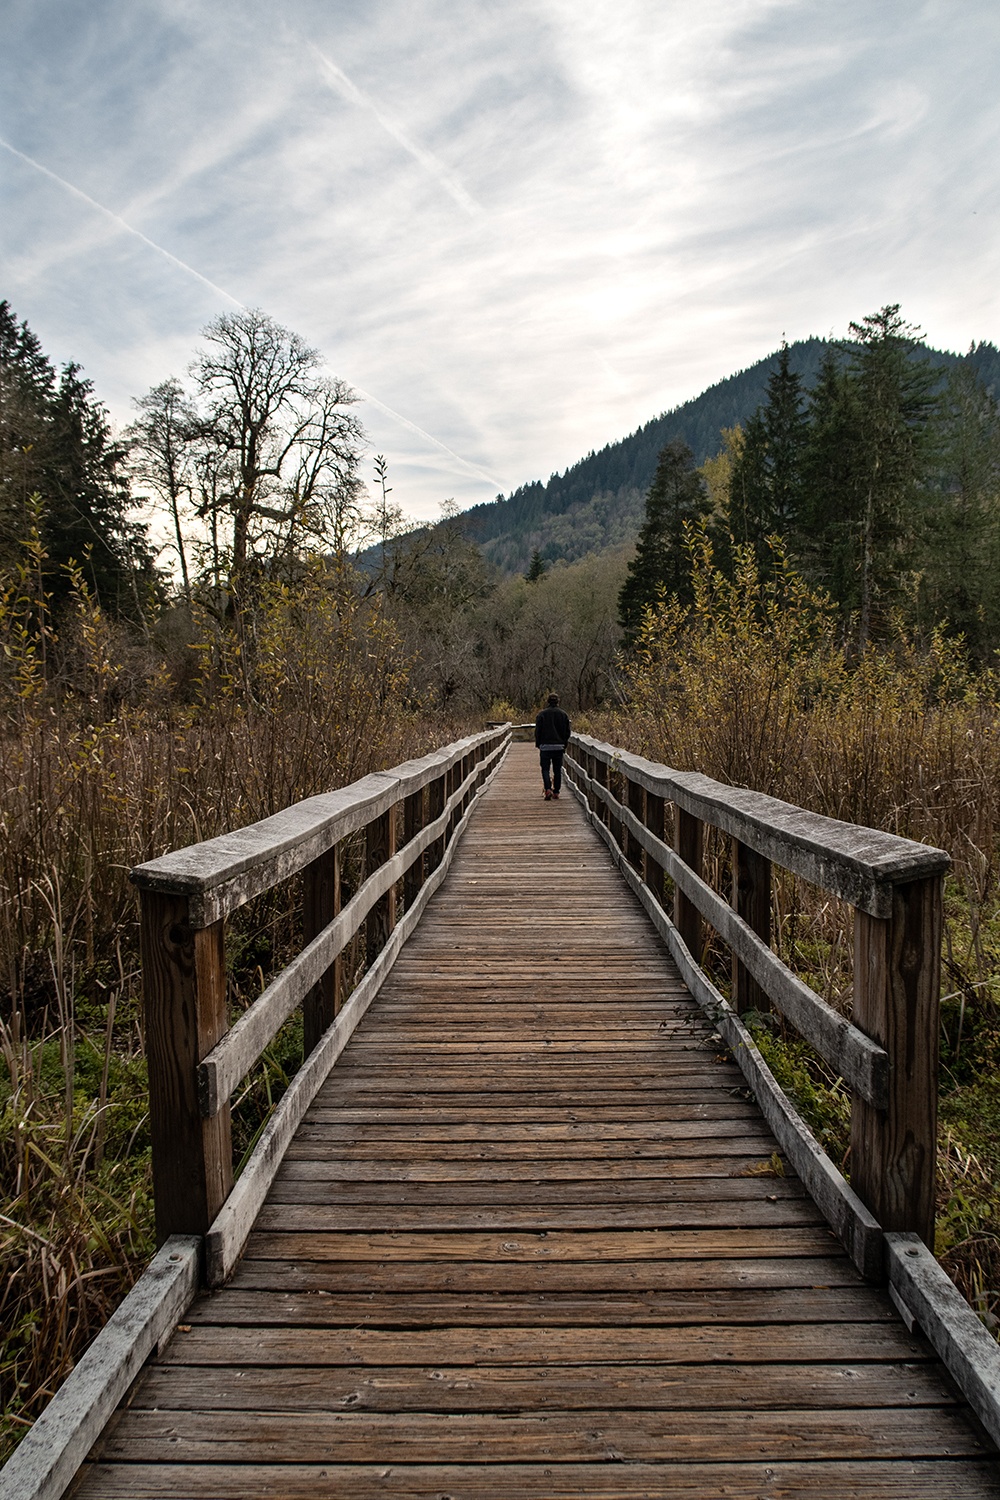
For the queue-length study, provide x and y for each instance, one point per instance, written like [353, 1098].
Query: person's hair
[553, 699]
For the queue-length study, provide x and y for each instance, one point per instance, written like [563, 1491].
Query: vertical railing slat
[896, 983]
[184, 1003]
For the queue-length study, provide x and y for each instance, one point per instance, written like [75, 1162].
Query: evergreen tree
[55, 442]
[766, 487]
[959, 538]
[537, 568]
[785, 427]
[825, 538]
[661, 565]
[749, 502]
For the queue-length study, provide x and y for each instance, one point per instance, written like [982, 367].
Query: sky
[518, 230]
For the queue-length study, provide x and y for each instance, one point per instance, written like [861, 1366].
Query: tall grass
[113, 750]
[756, 685]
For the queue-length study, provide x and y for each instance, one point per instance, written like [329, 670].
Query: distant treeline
[598, 501]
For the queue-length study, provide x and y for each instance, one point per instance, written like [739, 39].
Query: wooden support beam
[689, 841]
[184, 1001]
[437, 797]
[320, 904]
[413, 822]
[617, 790]
[600, 775]
[654, 873]
[637, 805]
[752, 902]
[380, 845]
[896, 1002]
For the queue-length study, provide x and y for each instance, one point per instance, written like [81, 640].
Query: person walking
[552, 733]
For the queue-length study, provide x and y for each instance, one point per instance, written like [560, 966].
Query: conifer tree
[662, 566]
[537, 568]
[766, 487]
[868, 454]
[56, 443]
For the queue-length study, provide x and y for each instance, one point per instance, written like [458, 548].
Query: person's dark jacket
[552, 728]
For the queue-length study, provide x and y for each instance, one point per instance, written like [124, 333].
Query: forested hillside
[598, 502]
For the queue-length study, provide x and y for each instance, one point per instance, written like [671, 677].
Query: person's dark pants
[551, 760]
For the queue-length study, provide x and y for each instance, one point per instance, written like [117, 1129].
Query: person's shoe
[555, 796]
[548, 795]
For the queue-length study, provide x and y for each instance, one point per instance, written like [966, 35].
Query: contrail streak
[430, 163]
[405, 422]
[121, 223]
[118, 221]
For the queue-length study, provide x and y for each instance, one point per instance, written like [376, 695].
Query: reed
[112, 751]
[755, 685]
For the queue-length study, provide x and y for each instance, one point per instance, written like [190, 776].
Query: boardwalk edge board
[227, 1236]
[49, 1456]
[855, 1226]
[931, 1299]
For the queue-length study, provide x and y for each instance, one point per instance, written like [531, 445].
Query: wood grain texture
[531, 1239]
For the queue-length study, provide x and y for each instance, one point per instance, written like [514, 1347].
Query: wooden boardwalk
[529, 1242]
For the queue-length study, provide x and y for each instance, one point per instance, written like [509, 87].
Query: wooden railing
[196, 1060]
[886, 1053]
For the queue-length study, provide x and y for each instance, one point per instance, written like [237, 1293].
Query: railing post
[897, 962]
[320, 904]
[752, 902]
[413, 821]
[437, 799]
[653, 872]
[601, 777]
[617, 790]
[184, 1002]
[689, 841]
[380, 845]
[636, 798]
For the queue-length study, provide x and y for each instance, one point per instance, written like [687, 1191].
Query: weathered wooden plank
[970, 1353]
[637, 1244]
[829, 1386]
[48, 1457]
[544, 1277]
[314, 1217]
[881, 1479]
[759, 1305]
[551, 1437]
[548, 1346]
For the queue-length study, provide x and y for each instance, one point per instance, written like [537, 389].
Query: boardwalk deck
[529, 1242]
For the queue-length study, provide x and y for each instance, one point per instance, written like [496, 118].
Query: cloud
[119, 222]
[426, 159]
[668, 187]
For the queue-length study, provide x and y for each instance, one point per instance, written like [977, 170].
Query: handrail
[886, 1053]
[195, 1059]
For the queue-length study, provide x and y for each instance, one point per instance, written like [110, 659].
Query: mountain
[598, 502]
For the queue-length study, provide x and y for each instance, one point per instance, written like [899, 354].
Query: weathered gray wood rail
[887, 1053]
[195, 1058]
